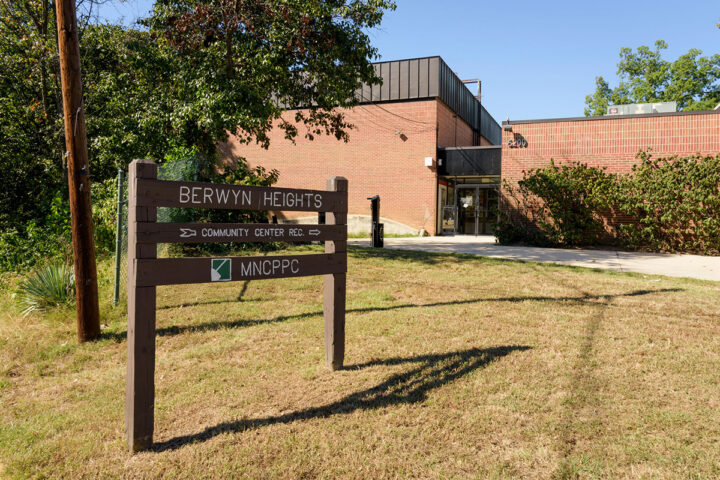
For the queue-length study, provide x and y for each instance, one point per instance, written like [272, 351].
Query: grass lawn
[456, 367]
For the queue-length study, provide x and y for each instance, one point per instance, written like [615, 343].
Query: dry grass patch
[456, 367]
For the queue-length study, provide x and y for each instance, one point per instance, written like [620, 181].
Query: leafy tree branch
[693, 81]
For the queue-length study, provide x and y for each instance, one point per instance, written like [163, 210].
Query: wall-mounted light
[507, 126]
[429, 162]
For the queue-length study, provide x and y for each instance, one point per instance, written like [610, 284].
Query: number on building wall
[517, 143]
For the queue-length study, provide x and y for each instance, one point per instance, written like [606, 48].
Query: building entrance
[477, 207]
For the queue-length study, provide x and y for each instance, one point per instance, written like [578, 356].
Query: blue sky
[536, 59]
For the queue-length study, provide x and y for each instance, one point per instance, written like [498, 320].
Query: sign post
[146, 271]
[334, 302]
[140, 382]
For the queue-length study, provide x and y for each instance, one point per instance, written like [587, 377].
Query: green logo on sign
[220, 270]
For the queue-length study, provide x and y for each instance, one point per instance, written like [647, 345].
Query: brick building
[609, 141]
[427, 146]
[420, 109]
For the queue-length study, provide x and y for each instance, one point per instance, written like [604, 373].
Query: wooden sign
[146, 271]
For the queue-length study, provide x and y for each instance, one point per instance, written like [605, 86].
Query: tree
[245, 61]
[31, 146]
[197, 71]
[693, 81]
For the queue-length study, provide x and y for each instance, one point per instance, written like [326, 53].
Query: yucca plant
[46, 287]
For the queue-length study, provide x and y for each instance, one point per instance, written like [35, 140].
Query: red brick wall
[609, 141]
[452, 130]
[385, 156]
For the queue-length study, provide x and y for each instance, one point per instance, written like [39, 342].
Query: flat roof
[612, 117]
[426, 78]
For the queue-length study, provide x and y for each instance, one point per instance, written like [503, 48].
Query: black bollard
[376, 226]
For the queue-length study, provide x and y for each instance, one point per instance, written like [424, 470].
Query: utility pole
[86, 290]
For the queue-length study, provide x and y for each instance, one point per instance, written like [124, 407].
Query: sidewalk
[692, 266]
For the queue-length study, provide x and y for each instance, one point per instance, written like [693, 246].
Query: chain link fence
[179, 170]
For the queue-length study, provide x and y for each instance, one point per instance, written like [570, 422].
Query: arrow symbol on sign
[187, 232]
[314, 232]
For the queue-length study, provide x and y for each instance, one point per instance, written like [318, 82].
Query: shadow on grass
[210, 326]
[419, 256]
[412, 386]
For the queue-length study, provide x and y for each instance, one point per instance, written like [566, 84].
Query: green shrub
[676, 204]
[507, 232]
[557, 205]
[46, 287]
[23, 247]
[104, 206]
[673, 205]
[50, 237]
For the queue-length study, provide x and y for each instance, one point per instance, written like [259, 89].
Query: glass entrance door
[490, 210]
[468, 211]
[477, 210]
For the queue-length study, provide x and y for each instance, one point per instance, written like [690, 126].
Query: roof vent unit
[642, 108]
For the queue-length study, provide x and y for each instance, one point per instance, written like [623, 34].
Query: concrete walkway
[692, 266]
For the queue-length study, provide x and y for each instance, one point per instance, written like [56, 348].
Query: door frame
[477, 187]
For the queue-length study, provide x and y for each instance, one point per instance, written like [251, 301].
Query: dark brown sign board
[146, 271]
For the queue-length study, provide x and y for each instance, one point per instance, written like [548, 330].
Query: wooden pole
[140, 381]
[334, 301]
[86, 290]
